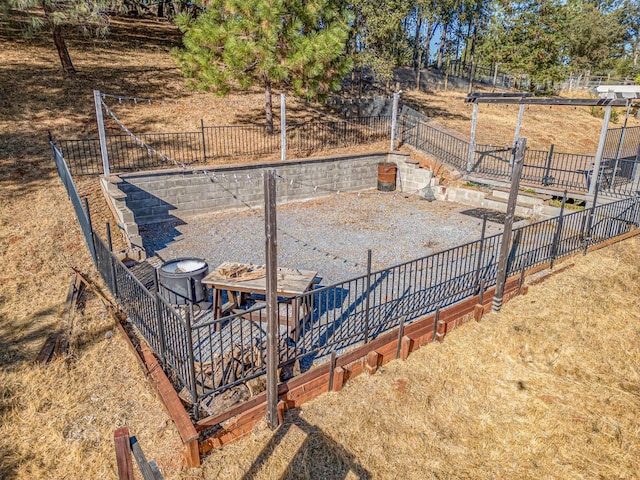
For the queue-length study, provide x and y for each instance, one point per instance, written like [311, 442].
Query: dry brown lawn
[547, 389]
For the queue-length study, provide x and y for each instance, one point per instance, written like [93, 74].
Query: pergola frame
[608, 99]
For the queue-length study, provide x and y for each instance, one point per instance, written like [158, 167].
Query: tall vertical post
[204, 142]
[481, 251]
[472, 141]
[516, 135]
[558, 234]
[283, 128]
[518, 162]
[596, 164]
[97, 99]
[367, 303]
[620, 143]
[394, 120]
[271, 253]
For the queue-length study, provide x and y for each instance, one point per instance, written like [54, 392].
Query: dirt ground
[519, 395]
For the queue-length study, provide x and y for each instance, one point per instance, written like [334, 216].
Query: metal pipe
[558, 234]
[366, 300]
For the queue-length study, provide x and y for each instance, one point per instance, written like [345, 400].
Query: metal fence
[82, 215]
[127, 153]
[619, 169]
[209, 355]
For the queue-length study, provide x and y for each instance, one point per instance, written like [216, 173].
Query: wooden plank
[47, 348]
[613, 240]
[168, 396]
[338, 379]
[291, 282]
[352, 363]
[141, 460]
[405, 347]
[123, 454]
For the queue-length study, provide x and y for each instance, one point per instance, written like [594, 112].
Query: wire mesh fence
[209, 354]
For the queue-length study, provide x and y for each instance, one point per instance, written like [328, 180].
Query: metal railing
[200, 147]
[208, 355]
[620, 176]
[82, 215]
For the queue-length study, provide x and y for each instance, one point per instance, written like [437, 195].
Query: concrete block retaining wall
[150, 197]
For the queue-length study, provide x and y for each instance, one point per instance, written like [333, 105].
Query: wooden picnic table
[291, 283]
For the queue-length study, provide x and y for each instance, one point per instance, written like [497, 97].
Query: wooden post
[596, 164]
[394, 120]
[472, 141]
[516, 136]
[123, 454]
[271, 253]
[97, 99]
[518, 162]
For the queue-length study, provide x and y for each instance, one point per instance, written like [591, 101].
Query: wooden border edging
[240, 419]
[168, 396]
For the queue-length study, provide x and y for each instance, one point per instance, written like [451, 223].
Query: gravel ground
[329, 235]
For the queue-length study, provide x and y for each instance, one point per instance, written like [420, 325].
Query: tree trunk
[418, 68]
[268, 106]
[417, 52]
[416, 45]
[58, 40]
[472, 65]
[443, 40]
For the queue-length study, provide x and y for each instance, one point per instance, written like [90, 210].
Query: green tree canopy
[291, 44]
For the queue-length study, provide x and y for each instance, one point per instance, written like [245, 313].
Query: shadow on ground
[319, 456]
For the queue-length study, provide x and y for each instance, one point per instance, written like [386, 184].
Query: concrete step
[524, 198]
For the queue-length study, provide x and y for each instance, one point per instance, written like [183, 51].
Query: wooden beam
[168, 396]
[123, 453]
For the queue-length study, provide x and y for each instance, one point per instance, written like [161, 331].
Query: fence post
[558, 234]
[587, 232]
[161, 333]
[394, 120]
[92, 247]
[547, 179]
[472, 141]
[366, 299]
[204, 142]
[518, 161]
[192, 366]
[480, 253]
[114, 283]
[283, 128]
[97, 99]
[596, 164]
[271, 245]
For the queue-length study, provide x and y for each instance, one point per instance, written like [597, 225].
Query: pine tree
[291, 44]
[89, 16]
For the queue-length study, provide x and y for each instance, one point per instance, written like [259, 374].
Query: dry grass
[457, 410]
[549, 388]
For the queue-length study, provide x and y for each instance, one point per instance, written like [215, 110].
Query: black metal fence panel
[209, 355]
[171, 150]
[81, 214]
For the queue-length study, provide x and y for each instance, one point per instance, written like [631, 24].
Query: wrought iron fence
[619, 175]
[209, 355]
[81, 214]
[127, 153]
